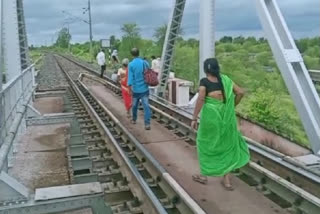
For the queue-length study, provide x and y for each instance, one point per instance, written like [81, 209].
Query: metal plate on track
[67, 191]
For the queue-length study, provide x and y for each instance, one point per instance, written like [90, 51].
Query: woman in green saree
[220, 145]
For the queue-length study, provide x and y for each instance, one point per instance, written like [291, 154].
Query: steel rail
[150, 175]
[181, 116]
[285, 167]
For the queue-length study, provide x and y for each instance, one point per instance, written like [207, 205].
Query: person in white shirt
[114, 77]
[159, 66]
[155, 65]
[101, 59]
[114, 56]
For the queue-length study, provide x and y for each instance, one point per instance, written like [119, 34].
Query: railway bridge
[67, 146]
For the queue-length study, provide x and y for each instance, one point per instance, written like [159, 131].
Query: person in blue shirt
[138, 87]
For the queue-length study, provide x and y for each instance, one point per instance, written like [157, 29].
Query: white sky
[234, 17]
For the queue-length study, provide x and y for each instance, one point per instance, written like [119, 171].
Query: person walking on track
[126, 94]
[139, 88]
[114, 56]
[221, 147]
[101, 60]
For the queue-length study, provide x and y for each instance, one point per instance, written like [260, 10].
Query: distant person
[101, 60]
[153, 61]
[140, 90]
[221, 147]
[155, 64]
[126, 93]
[159, 65]
[114, 76]
[114, 56]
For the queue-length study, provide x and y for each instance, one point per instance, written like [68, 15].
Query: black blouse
[210, 86]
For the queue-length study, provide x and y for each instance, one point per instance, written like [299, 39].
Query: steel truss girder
[293, 69]
[24, 57]
[173, 30]
[1, 68]
[1, 48]
[14, 40]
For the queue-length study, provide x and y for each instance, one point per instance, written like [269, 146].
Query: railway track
[288, 182]
[103, 150]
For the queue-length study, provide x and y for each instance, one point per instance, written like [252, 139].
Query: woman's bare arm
[200, 102]
[239, 92]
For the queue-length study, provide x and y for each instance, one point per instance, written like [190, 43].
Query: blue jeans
[144, 97]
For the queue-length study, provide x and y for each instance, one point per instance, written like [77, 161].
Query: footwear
[148, 127]
[200, 179]
[228, 188]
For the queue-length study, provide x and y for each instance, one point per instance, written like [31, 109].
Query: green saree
[220, 145]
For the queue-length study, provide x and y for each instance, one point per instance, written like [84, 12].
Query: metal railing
[14, 98]
[315, 76]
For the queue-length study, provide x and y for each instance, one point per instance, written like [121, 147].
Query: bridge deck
[41, 160]
[180, 160]
[41, 153]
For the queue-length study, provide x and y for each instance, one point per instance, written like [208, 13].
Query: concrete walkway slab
[41, 158]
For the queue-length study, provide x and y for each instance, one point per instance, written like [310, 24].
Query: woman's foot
[128, 114]
[200, 179]
[226, 183]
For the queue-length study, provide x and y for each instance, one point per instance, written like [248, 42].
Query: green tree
[251, 39]
[239, 40]
[262, 40]
[302, 45]
[130, 30]
[193, 43]
[262, 108]
[311, 62]
[160, 34]
[263, 58]
[131, 38]
[64, 38]
[313, 51]
[226, 39]
[114, 42]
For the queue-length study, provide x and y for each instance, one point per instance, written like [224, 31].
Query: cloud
[44, 18]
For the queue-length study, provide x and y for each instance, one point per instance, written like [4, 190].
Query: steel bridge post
[24, 57]
[292, 68]
[1, 47]
[1, 70]
[207, 33]
[172, 34]
[11, 44]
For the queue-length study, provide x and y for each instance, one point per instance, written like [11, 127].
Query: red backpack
[150, 77]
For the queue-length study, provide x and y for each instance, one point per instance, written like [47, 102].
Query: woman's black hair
[211, 66]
